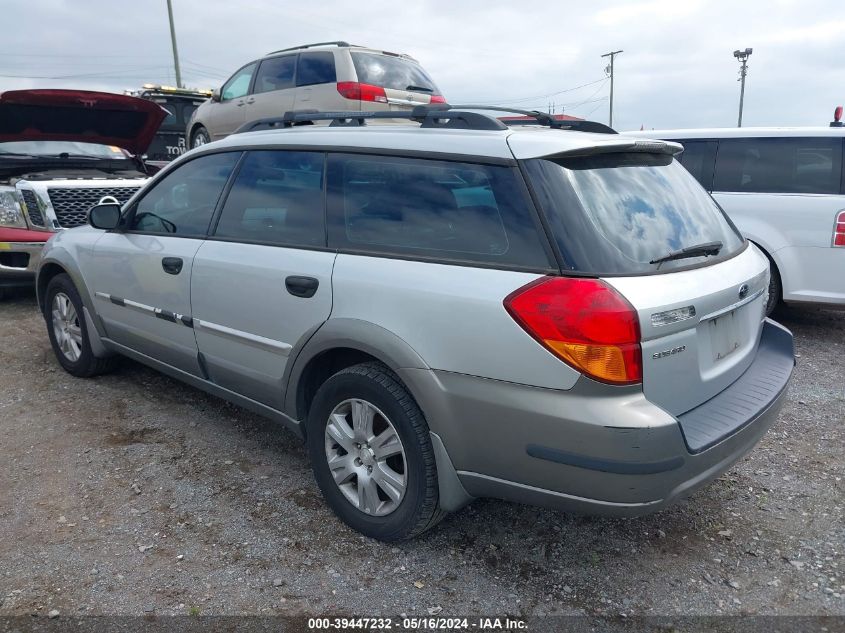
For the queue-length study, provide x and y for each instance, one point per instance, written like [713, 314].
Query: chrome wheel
[366, 457]
[66, 327]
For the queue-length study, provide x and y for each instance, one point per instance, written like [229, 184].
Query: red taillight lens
[438, 99]
[361, 92]
[584, 322]
[839, 230]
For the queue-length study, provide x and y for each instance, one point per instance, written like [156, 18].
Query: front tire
[68, 330]
[371, 453]
[200, 137]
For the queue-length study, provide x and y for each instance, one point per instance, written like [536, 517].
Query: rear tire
[775, 289]
[200, 137]
[68, 331]
[384, 488]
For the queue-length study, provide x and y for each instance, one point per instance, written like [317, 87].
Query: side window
[275, 73]
[779, 165]
[431, 209]
[183, 202]
[315, 68]
[277, 198]
[698, 157]
[238, 84]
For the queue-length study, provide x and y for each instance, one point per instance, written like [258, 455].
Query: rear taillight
[839, 230]
[438, 99]
[584, 322]
[361, 92]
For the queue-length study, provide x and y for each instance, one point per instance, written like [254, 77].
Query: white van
[784, 189]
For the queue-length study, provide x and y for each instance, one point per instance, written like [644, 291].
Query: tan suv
[328, 76]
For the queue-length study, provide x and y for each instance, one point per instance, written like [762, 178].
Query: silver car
[327, 76]
[444, 310]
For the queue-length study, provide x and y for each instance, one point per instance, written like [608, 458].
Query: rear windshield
[392, 72]
[614, 213]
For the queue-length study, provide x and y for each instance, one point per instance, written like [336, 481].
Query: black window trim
[224, 196]
[384, 251]
[552, 269]
[128, 215]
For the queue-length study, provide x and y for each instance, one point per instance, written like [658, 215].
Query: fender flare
[355, 334]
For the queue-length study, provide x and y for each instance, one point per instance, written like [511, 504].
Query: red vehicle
[62, 152]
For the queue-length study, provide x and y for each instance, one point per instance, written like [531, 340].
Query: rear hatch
[626, 215]
[397, 82]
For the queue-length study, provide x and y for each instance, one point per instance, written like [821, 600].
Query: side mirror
[215, 94]
[104, 216]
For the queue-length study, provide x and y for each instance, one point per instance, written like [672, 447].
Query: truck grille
[71, 205]
[32, 210]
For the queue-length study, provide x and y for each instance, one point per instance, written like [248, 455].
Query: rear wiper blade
[706, 249]
[418, 88]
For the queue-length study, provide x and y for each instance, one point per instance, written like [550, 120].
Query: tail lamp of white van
[839, 230]
[585, 323]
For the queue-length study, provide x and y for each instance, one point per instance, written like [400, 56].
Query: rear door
[316, 81]
[262, 282]
[700, 317]
[228, 114]
[141, 276]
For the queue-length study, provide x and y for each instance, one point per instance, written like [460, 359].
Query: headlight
[10, 210]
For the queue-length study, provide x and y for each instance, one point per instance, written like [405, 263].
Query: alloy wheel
[366, 457]
[66, 327]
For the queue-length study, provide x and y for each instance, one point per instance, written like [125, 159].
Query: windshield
[57, 148]
[392, 72]
[615, 213]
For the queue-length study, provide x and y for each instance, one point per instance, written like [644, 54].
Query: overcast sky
[677, 69]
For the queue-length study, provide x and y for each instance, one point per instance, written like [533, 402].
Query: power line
[532, 98]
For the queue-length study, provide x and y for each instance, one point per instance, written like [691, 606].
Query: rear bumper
[594, 449]
[20, 254]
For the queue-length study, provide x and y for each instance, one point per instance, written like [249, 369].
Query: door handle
[301, 286]
[240, 103]
[251, 100]
[172, 265]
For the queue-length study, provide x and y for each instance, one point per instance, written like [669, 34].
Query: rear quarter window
[779, 165]
[432, 210]
[612, 214]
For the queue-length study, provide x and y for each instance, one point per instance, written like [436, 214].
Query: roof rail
[428, 116]
[296, 48]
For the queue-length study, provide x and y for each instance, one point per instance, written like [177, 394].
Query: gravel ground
[134, 494]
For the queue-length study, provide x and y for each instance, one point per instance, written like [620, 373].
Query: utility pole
[175, 50]
[742, 56]
[609, 70]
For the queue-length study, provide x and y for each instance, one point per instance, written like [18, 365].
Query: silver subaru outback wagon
[443, 310]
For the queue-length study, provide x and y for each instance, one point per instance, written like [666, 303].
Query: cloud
[677, 68]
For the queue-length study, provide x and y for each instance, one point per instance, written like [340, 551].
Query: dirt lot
[134, 494]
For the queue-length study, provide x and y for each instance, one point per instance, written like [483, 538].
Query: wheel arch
[338, 344]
